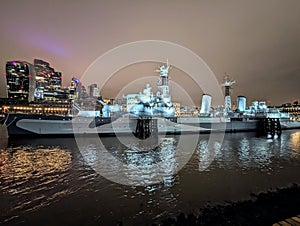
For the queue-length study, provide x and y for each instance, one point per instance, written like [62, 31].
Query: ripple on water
[33, 177]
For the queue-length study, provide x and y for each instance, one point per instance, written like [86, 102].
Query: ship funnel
[206, 104]
[241, 103]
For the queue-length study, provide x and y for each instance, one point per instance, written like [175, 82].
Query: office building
[21, 80]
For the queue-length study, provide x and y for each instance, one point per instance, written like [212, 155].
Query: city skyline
[254, 42]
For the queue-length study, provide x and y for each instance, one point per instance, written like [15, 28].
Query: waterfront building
[78, 89]
[121, 102]
[48, 82]
[81, 91]
[72, 89]
[292, 109]
[176, 106]
[40, 82]
[57, 108]
[21, 80]
[56, 80]
[93, 90]
[43, 72]
[46, 75]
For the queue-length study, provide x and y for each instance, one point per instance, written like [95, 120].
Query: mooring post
[269, 126]
[145, 126]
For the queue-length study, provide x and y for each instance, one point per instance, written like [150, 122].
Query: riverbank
[265, 208]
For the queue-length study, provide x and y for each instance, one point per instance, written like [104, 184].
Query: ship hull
[50, 125]
[31, 125]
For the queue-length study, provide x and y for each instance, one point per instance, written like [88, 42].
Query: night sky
[256, 42]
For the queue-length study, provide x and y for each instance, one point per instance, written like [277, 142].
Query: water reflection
[244, 153]
[295, 144]
[208, 153]
[25, 163]
[31, 177]
[248, 152]
[3, 137]
[55, 179]
[141, 163]
[133, 164]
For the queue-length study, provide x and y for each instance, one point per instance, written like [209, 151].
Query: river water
[46, 181]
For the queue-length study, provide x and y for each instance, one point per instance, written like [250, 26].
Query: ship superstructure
[151, 105]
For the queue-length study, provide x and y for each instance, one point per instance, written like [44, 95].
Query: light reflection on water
[295, 144]
[33, 177]
[252, 152]
[164, 153]
[42, 178]
[135, 165]
[25, 163]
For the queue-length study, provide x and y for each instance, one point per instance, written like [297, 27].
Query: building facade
[20, 80]
[94, 90]
[48, 82]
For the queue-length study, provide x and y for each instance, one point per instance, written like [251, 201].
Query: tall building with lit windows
[48, 81]
[46, 75]
[34, 82]
[21, 80]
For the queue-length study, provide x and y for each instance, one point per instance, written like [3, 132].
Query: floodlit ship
[148, 114]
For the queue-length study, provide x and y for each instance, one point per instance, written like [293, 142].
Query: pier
[269, 126]
[145, 126]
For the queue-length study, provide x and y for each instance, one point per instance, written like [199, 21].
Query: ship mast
[227, 84]
[163, 85]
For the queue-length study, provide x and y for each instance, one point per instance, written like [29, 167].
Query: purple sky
[257, 42]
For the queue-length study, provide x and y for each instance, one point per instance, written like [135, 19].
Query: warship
[151, 113]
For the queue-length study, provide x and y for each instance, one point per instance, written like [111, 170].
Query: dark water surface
[45, 181]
